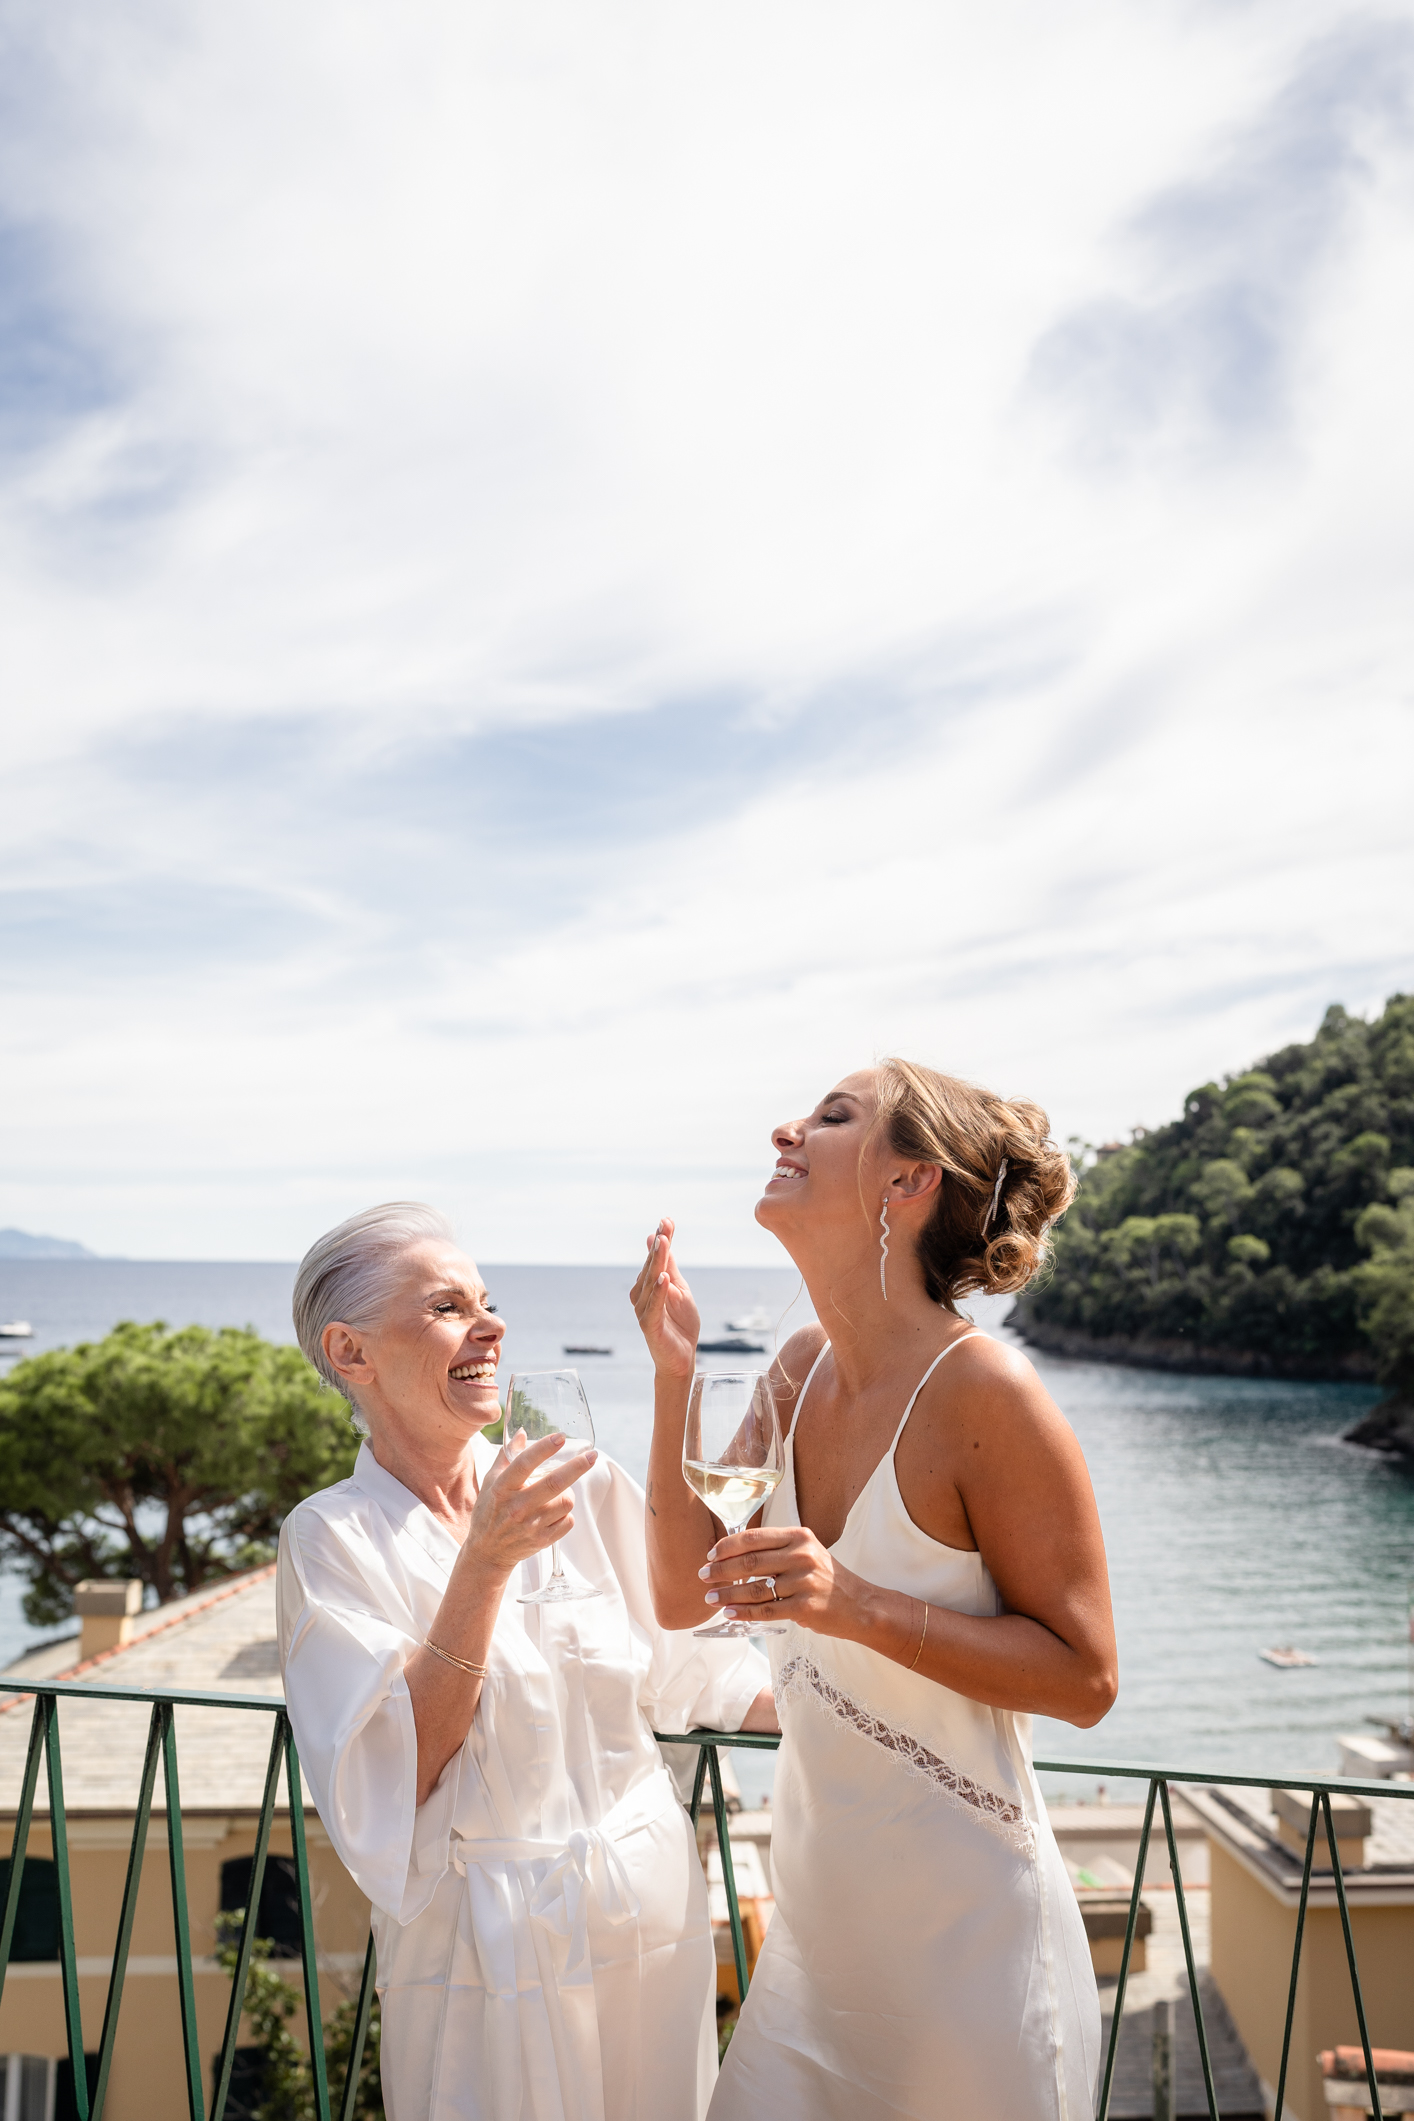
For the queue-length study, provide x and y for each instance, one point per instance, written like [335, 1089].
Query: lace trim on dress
[801, 1679]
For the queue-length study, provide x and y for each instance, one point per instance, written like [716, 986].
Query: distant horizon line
[135, 1259]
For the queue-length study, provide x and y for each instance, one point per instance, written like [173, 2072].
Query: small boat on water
[584, 1349]
[1286, 1658]
[754, 1321]
[735, 1346]
[17, 1329]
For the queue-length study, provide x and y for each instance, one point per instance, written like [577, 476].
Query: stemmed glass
[551, 1403]
[732, 1456]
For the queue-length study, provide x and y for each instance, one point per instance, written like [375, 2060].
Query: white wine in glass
[551, 1403]
[732, 1456]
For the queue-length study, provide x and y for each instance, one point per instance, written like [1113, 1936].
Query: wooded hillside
[1269, 1230]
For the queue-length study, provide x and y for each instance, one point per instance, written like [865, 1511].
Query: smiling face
[431, 1361]
[817, 1177]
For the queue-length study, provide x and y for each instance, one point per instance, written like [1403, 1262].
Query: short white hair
[347, 1275]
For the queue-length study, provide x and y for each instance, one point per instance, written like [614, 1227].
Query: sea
[1235, 1517]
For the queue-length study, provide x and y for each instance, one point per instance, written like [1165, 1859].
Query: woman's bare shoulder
[793, 1362]
[999, 1386]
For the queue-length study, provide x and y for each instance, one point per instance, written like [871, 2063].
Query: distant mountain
[19, 1244]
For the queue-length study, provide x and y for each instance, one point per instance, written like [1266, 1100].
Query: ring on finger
[770, 1583]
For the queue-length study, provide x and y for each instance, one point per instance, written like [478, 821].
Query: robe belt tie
[587, 1863]
[554, 1883]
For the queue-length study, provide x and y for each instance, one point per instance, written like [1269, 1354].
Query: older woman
[486, 1769]
[933, 1555]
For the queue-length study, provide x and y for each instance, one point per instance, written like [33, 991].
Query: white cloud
[718, 396]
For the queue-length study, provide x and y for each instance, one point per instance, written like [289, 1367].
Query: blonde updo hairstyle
[968, 1133]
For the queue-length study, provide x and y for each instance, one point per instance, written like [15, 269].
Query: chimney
[106, 1610]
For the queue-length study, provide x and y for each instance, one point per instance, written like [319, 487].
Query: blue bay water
[1234, 1517]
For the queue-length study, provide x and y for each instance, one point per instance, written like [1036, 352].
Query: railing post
[360, 2031]
[318, 2068]
[719, 1813]
[1350, 1955]
[128, 1913]
[1296, 1955]
[20, 1839]
[226, 2061]
[59, 1835]
[1202, 2030]
[181, 1924]
[1125, 1955]
[696, 1806]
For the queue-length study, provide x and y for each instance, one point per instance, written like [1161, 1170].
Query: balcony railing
[1158, 1780]
[44, 1750]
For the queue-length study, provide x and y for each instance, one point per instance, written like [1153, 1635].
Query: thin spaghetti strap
[809, 1380]
[976, 1333]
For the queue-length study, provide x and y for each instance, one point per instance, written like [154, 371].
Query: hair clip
[996, 1196]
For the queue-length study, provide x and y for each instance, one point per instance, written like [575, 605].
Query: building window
[37, 1923]
[66, 2106]
[27, 2087]
[247, 2091]
[279, 1916]
[41, 2088]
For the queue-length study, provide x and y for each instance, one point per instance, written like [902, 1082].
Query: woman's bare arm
[516, 1516]
[680, 1526]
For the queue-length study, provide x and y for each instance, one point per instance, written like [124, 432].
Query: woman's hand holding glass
[733, 1457]
[521, 1509]
[792, 1576]
[552, 1406]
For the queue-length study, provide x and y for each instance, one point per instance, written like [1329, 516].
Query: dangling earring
[884, 1246]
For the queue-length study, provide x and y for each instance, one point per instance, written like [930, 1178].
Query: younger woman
[935, 1555]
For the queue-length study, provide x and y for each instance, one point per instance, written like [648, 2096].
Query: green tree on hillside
[1273, 1224]
[171, 1456]
[1386, 1284]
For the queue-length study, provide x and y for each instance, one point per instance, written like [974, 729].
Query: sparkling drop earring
[884, 1246]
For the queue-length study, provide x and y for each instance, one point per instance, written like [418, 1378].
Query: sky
[568, 575]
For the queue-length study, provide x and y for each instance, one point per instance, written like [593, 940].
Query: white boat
[757, 1321]
[17, 1329]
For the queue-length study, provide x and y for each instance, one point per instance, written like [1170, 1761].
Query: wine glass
[551, 1403]
[732, 1456]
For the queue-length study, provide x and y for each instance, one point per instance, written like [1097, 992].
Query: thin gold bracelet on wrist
[462, 1664]
[922, 1638]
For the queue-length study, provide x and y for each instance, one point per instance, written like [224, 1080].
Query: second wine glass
[733, 1457]
[551, 1403]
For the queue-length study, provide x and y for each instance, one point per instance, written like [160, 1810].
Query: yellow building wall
[1253, 1936]
[148, 2081]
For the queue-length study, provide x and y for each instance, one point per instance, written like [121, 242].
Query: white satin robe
[544, 1946]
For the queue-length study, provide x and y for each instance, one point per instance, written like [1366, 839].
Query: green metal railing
[162, 1749]
[44, 1748]
[1320, 1792]
[1159, 1780]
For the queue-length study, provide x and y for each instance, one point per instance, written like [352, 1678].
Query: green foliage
[1386, 1283]
[1275, 1218]
[287, 2092]
[171, 1456]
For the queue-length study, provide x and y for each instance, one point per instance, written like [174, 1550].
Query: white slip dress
[926, 1956]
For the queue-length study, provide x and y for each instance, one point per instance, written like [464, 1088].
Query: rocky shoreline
[1389, 1427]
[1192, 1357]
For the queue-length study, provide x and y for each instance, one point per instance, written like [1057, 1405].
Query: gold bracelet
[477, 1670]
[922, 1638]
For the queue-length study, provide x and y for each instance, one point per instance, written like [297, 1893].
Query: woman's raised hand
[516, 1514]
[666, 1312]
